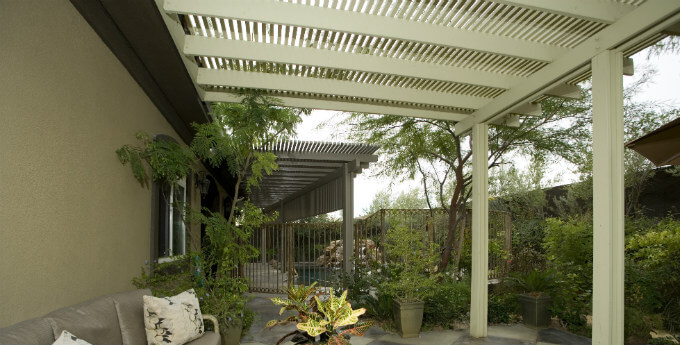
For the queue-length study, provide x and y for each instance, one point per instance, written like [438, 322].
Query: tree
[237, 139]
[432, 150]
[413, 146]
[238, 134]
[410, 199]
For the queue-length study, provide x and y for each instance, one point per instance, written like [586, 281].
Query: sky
[663, 89]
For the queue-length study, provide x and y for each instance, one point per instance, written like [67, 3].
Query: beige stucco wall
[74, 223]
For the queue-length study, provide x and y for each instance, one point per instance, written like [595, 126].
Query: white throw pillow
[67, 338]
[172, 320]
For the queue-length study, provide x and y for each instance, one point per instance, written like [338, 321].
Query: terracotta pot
[408, 317]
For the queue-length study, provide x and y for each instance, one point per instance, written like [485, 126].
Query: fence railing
[303, 253]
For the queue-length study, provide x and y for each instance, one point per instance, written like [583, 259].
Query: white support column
[347, 219]
[608, 198]
[480, 230]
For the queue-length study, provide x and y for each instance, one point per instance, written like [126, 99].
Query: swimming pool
[308, 274]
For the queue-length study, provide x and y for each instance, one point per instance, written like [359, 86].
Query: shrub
[449, 303]
[655, 266]
[379, 308]
[635, 328]
[534, 282]
[526, 259]
[569, 247]
[502, 307]
[413, 258]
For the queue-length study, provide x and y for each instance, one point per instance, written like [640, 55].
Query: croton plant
[331, 319]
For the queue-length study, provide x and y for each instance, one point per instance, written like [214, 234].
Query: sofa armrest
[212, 319]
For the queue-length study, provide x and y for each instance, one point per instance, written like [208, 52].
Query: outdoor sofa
[111, 319]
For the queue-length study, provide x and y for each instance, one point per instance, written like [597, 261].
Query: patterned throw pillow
[67, 338]
[172, 320]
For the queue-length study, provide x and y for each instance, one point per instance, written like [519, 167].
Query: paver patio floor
[510, 334]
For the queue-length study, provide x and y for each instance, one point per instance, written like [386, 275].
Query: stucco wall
[74, 223]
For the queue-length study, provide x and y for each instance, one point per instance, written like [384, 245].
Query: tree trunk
[454, 219]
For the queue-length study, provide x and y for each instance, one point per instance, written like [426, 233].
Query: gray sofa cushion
[130, 310]
[208, 338]
[94, 321]
[30, 332]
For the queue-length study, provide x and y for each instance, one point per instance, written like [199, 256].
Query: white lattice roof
[308, 165]
[468, 61]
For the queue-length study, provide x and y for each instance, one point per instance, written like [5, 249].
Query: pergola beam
[646, 20]
[596, 11]
[269, 11]
[212, 96]
[270, 81]
[235, 49]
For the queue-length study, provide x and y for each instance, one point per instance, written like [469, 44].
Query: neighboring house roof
[661, 146]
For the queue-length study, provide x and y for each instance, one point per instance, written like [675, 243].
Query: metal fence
[303, 253]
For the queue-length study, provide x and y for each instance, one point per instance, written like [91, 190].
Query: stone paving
[516, 334]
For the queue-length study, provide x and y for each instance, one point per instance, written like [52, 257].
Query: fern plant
[331, 320]
[535, 282]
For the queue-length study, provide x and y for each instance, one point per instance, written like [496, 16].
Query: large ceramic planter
[231, 335]
[535, 310]
[408, 318]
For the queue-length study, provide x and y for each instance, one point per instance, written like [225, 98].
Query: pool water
[322, 275]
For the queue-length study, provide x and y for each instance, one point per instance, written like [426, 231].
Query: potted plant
[412, 259]
[230, 141]
[319, 320]
[220, 295]
[534, 300]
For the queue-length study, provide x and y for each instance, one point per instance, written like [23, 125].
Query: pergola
[315, 178]
[475, 62]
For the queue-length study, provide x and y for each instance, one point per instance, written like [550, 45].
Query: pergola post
[480, 231]
[608, 198]
[347, 219]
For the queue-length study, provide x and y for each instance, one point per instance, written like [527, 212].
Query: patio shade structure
[474, 62]
[315, 178]
[661, 146]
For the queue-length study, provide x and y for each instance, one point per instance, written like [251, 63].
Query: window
[169, 236]
[172, 230]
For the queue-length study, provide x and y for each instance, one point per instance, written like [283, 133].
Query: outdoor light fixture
[202, 182]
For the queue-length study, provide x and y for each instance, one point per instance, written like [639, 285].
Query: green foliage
[502, 307]
[332, 319]
[359, 281]
[634, 324]
[526, 259]
[569, 247]
[432, 150]
[226, 246]
[380, 308]
[413, 259]
[237, 135]
[449, 303]
[535, 282]
[234, 139]
[240, 127]
[384, 199]
[219, 294]
[167, 160]
[168, 278]
[655, 257]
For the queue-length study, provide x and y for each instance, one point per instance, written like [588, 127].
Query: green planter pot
[408, 318]
[535, 310]
[232, 335]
